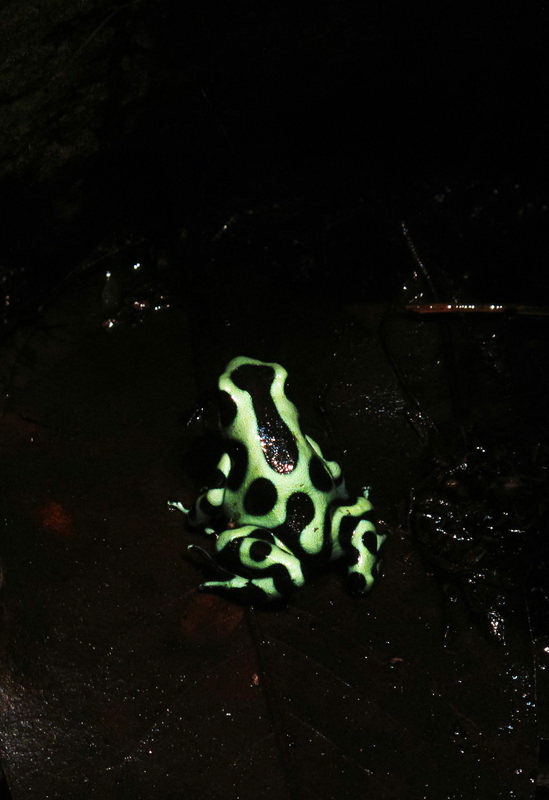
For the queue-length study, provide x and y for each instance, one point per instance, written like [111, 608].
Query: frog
[278, 509]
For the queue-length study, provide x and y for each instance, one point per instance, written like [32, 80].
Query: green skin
[270, 552]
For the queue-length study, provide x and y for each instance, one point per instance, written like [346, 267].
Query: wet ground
[118, 679]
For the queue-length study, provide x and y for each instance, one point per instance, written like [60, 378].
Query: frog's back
[274, 467]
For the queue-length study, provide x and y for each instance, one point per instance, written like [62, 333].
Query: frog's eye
[227, 408]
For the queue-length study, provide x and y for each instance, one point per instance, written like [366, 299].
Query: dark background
[150, 116]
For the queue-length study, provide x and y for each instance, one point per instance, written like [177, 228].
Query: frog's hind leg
[269, 571]
[357, 536]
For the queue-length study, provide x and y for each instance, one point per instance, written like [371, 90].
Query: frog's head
[253, 392]
[249, 382]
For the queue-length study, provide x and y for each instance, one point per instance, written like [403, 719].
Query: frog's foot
[175, 505]
[268, 570]
[359, 541]
[249, 591]
[195, 517]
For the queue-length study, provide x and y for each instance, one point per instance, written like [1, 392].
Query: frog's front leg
[269, 570]
[353, 529]
[209, 503]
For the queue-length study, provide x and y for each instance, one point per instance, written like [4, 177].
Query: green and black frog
[278, 508]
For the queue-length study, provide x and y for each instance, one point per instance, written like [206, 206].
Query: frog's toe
[231, 584]
[245, 590]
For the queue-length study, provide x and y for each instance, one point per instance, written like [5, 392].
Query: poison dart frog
[277, 506]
